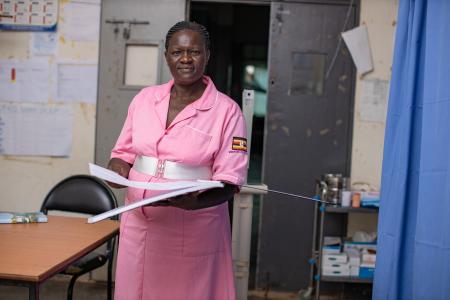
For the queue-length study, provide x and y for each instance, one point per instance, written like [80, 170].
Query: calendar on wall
[28, 15]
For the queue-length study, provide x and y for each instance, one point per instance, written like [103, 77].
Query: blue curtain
[413, 260]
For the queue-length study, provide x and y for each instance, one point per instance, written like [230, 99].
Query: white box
[369, 258]
[354, 257]
[359, 246]
[331, 249]
[366, 265]
[332, 258]
[343, 270]
[354, 271]
[337, 266]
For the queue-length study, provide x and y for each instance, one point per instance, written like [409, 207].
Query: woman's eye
[195, 52]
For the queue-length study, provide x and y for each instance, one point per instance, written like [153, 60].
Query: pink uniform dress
[167, 252]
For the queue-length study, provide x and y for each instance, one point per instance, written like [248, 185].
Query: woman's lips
[185, 70]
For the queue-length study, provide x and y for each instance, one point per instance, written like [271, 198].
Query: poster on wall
[28, 15]
[25, 80]
[37, 130]
[373, 107]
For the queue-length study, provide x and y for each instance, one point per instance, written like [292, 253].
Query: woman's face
[187, 56]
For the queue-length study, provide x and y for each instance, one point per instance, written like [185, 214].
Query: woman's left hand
[200, 200]
[186, 201]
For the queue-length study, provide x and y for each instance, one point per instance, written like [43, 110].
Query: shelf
[344, 210]
[346, 279]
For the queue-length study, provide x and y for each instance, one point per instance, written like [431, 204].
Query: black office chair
[88, 195]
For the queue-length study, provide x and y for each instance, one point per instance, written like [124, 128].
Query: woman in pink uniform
[184, 129]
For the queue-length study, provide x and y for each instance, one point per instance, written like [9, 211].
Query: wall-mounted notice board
[28, 15]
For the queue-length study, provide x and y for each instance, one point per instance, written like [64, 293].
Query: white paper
[111, 176]
[35, 130]
[25, 81]
[76, 83]
[374, 95]
[81, 21]
[200, 186]
[357, 41]
[43, 43]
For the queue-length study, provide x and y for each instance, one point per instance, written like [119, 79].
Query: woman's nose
[186, 57]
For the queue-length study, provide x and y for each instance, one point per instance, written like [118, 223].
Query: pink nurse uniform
[167, 252]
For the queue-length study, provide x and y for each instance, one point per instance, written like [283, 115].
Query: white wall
[380, 16]
[25, 180]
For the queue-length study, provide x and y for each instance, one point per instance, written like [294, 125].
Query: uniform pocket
[202, 232]
[190, 145]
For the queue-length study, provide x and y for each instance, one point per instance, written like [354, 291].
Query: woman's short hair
[183, 25]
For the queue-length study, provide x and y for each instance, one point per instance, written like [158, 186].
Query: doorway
[239, 51]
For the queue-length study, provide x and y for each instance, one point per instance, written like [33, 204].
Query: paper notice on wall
[76, 83]
[80, 21]
[374, 96]
[36, 130]
[357, 41]
[43, 43]
[24, 81]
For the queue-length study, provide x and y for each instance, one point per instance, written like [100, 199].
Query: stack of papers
[177, 188]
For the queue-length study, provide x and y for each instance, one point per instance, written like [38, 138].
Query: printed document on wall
[374, 96]
[76, 83]
[43, 43]
[24, 81]
[36, 130]
[80, 21]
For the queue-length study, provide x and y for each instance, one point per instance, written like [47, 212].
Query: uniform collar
[205, 102]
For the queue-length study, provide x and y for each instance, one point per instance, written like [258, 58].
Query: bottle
[345, 193]
[356, 199]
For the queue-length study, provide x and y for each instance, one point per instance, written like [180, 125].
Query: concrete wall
[25, 180]
[380, 16]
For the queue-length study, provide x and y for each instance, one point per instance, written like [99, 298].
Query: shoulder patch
[239, 144]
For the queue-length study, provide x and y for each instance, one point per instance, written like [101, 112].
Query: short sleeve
[230, 163]
[124, 145]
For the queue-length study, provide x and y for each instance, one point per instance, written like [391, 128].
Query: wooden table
[32, 253]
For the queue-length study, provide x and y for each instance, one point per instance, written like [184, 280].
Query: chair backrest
[80, 194]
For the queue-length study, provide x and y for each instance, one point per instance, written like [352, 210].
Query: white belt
[170, 170]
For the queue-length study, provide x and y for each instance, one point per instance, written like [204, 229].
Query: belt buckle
[160, 167]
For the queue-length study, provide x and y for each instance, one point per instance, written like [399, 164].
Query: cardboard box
[354, 257]
[368, 257]
[366, 271]
[359, 246]
[354, 271]
[337, 266]
[340, 270]
[333, 258]
[331, 249]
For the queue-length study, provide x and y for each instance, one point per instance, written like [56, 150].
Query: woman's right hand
[121, 167]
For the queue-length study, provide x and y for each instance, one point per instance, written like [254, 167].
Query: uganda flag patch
[239, 144]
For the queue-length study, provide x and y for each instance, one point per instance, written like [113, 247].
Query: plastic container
[346, 198]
